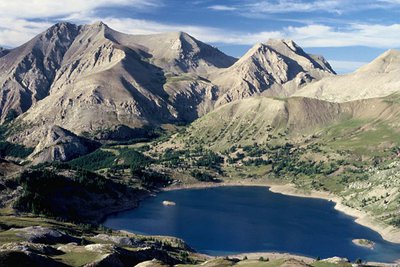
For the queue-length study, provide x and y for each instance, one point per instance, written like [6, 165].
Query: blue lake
[231, 220]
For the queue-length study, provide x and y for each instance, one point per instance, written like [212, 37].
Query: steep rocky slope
[177, 52]
[104, 78]
[276, 68]
[377, 79]
[27, 72]
[3, 51]
[60, 145]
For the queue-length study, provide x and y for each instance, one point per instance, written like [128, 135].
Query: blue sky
[348, 33]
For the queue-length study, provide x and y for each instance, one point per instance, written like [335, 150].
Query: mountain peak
[387, 62]
[286, 50]
[99, 24]
[62, 30]
[281, 46]
[390, 54]
[278, 67]
[178, 36]
[283, 42]
[182, 34]
[62, 26]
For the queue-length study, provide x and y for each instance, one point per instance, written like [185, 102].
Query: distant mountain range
[91, 82]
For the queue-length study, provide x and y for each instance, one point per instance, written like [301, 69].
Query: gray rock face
[27, 72]
[39, 234]
[179, 52]
[121, 240]
[61, 145]
[30, 247]
[275, 68]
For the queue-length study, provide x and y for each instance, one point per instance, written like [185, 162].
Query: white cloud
[390, 1]
[222, 8]
[256, 8]
[20, 20]
[315, 35]
[205, 34]
[375, 35]
[53, 8]
[284, 6]
[14, 32]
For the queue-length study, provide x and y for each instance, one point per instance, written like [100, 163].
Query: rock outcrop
[39, 234]
[61, 145]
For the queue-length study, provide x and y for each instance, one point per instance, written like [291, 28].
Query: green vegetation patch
[134, 159]
[78, 258]
[361, 137]
[180, 78]
[69, 198]
[14, 150]
[96, 160]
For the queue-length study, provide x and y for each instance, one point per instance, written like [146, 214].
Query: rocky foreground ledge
[51, 246]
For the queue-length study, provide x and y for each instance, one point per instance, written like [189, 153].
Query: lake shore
[273, 256]
[389, 233]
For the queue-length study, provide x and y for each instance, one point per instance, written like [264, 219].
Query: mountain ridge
[99, 78]
[379, 78]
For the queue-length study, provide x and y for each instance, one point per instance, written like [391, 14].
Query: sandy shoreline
[389, 233]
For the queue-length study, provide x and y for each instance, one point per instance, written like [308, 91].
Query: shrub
[151, 179]
[203, 176]
[48, 193]
[210, 159]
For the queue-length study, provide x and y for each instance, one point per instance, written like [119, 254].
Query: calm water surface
[230, 220]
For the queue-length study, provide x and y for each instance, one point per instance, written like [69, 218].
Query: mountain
[377, 79]
[91, 78]
[177, 52]
[27, 72]
[275, 68]
[367, 98]
[94, 81]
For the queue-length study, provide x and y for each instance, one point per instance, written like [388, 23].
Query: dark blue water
[230, 220]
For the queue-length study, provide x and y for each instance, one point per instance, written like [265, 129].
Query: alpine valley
[93, 121]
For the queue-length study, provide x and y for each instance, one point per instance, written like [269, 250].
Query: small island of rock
[364, 243]
[168, 203]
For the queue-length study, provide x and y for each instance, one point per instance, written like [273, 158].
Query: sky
[348, 33]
